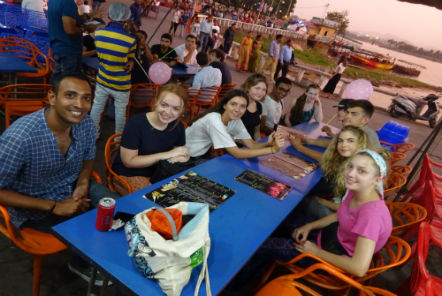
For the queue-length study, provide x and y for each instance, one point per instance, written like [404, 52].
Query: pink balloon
[360, 89]
[160, 73]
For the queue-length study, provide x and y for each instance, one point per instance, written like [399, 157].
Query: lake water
[431, 75]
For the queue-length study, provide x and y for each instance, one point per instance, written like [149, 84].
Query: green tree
[341, 18]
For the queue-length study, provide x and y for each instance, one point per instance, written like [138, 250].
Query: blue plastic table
[237, 227]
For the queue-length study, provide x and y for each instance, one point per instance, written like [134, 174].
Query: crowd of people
[57, 143]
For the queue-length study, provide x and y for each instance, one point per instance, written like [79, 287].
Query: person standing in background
[206, 28]
[255, 57]
[175, 20]
[272, 58]
[65, 37]
[116, 50]
[136, 12]
[284, 59]
[336, 76]
[228, 38]
[244, 52]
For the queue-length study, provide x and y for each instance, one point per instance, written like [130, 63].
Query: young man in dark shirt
[164, 52]
[216, 60]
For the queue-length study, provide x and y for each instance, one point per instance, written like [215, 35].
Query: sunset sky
[420, 25]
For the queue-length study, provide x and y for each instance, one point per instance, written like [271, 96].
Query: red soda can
[105, 213]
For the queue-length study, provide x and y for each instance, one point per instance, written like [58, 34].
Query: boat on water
[372, 59]
[407, 68]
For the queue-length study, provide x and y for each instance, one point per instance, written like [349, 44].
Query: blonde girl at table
[348, 238]
[346, 143]
[151, 137]
[256, 88]
[221, 126]
[304, 108]
[362, 224]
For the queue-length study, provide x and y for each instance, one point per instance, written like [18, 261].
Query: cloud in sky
[418, 24]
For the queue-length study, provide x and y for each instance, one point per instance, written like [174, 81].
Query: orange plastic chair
[404, 170]
[36, 243]
[110, 150]
[405, 214]
[25, 91]
[224, 88]
[28, 52]
[395, 252]
[192, 94]
[421, 281]
[22, 99]
[397, 156]
[20, 108]
[394, 182]
[206, 97]
[142, 95]
[405, 147]
[288, 286]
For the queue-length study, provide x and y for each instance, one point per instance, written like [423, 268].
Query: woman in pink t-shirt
[362, 224]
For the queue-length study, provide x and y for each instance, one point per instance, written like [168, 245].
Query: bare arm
[249, 153]
[329, 204]
[273, 145]
[264, 128]
[131, 159]
[188, 57]
[318, 115]
[358, 264]
[297, 144]
[257, 134]
[318, 142]
[70, 26]
[88, 53]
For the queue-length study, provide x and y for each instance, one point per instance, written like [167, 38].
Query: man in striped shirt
[115, 51]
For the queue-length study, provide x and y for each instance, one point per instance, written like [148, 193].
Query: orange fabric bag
[160, 224]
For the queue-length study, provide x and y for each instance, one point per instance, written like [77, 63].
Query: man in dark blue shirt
[65, 36]
[216, 59]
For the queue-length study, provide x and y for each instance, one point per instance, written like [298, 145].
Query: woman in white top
[331, 84]
[305, 107]
[195, 26]
[222, 125]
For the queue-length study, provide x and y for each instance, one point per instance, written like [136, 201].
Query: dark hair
[288, 41]
[218, 53]
[278, 36]
[284, 80]
[298, 109]
[364, 104]
[343, 60]
[202, 59]
[167, 36]
[219, 107]
[56, 83]
[191, 36]
[142, 32]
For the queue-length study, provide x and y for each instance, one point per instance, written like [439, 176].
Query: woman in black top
[256, 87]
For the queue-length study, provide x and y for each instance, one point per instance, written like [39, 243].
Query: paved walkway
[57, 280]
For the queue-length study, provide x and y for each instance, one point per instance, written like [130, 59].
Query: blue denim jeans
[96, 192]
[66, 63]
[121, 99]
[204, 38]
